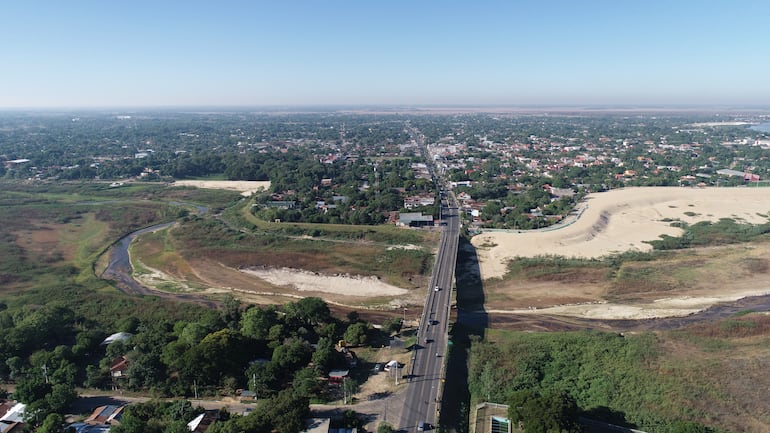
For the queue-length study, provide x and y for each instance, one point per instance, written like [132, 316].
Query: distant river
[762, 127]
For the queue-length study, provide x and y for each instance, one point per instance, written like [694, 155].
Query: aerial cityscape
[335, 218]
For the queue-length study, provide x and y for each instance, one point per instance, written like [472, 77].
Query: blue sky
[252, 53]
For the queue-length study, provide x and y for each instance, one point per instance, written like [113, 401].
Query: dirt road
[372, 412]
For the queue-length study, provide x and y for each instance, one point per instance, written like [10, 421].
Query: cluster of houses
[99, 421]
[103, 418]
[545, 156]
[557, 154]
[419, 200]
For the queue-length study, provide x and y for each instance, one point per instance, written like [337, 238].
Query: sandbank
[621, 220]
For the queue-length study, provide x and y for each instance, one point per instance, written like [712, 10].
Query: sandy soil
[246, 187]
[614, 222]
[665, 307]
[621, 220]
[305, 281]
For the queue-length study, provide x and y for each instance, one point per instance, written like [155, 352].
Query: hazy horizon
[177, 55]
[402, 108]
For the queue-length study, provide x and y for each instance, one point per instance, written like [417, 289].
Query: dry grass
[42, 241]
[698, 272]
[212, 255]
[218, 270]
[724, 367]
[694, 272]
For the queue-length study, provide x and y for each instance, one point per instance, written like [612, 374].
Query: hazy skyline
[242, 53]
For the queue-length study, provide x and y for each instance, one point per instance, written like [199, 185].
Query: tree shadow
[471, 322]
[602, 418]
[470, 289]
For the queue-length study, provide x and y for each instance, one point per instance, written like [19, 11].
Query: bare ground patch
[269, 269]
[246, 188]
[621, 220]
[61, 242]
[305, 281]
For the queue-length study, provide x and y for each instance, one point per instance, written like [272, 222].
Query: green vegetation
[599, 375]
[157, 416]
[343, 249]
[523, 171]
[554, 268]
[706, 233]
[386, 234]
[285, 413]
[54, 312]
[505, 209]
[354, 191]
[173, 351]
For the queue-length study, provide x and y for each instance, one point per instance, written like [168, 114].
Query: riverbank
[620, 221]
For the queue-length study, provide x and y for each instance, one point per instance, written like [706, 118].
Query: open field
[343, 265]
[55, 232]
[675, 284]
[246, 188]
[622, 220]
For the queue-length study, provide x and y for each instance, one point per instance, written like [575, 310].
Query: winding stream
[120, 271]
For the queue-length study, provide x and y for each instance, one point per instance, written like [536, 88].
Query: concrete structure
[735, 173]
[491, 418]
[414, 219]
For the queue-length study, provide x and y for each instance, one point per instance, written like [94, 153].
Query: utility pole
[344, 391]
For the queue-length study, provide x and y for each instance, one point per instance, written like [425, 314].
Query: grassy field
[217, 248]
[632, 278]
[712, 373]
[56, 232]
[52, 234]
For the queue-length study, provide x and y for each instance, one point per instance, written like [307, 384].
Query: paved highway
[426, 369]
